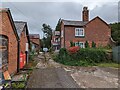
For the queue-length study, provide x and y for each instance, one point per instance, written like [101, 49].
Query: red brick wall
[12, 48]
[37, 41]
[23, 41]
[96, 31]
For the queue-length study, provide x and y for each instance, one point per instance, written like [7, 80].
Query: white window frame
[78, 31]
[62, 33]
[78, 44]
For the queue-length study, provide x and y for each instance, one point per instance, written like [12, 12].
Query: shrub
[72, 44]
[63, 51]
[87, 44]
[73, 49]
[83, 57]
[92, 55]
[93, 44]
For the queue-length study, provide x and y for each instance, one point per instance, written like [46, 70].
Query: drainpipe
[18, 59]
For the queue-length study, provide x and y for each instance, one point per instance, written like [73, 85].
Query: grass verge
[114, 65]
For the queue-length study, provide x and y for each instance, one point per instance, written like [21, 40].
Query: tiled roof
[74, 23]
[19, 26]
[4, 9]
[34, 36]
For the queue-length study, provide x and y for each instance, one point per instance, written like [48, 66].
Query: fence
[116, 53]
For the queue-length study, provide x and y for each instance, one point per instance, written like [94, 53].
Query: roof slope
[80, 23]
[34, 36]
[73, 23]
[19, 26]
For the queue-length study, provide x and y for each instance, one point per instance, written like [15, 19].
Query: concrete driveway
[50, 75]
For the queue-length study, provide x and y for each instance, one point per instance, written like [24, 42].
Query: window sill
[79, 36]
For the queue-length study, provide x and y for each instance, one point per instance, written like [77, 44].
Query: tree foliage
[58, 27]
[115, 33]
[47, 30]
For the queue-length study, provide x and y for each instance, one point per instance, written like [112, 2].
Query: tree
[58, 27]
[93, 44]
[115, 33]
[87, 44]
[47, 30]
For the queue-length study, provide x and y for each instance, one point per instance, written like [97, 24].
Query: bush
[73, 49]
[93, 44]
[32, 54]
[92, 55]
[63, 51]
[87, 44]
[18, 85]
[72, 44]
[84, 57]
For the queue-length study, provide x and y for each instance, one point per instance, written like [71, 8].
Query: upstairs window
[79, 31]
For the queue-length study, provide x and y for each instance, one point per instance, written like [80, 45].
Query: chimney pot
[85, 13]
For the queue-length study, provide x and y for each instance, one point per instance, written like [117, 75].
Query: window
[62, 33]
[79, 31]
[81, 44]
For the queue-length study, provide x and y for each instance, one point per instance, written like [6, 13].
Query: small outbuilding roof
[34, 36]
[19, 26]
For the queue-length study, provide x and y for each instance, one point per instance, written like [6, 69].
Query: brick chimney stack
[85, 14]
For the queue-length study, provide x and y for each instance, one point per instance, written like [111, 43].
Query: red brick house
[79, 32]
[35, 42]
[23, 33]
[56, 40]
[9, 42]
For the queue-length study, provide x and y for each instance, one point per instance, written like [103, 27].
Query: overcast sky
[37, 13]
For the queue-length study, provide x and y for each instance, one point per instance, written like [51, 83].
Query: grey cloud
[108, 12]
[37, 13]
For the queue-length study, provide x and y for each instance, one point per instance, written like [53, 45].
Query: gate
[116, 53]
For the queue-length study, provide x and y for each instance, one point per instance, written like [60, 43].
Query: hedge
[85, 56]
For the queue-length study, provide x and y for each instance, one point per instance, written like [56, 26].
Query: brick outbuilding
[35, 42]
[23, 33]
[9, 42]
[95, 30]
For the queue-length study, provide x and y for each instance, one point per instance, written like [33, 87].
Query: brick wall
[23, 41]
[36, 41]
[12, 46]
[96, 31]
